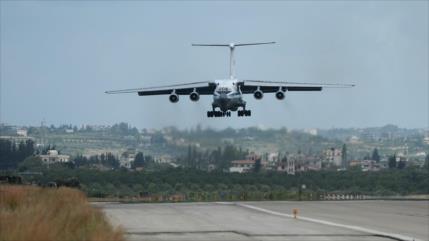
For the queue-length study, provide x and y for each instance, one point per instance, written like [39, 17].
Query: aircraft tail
[231, 52]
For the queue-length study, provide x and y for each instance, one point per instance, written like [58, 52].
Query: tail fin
[231, 52]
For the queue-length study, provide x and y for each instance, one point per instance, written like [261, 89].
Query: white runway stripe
[356, 228]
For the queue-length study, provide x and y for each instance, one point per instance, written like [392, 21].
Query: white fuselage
[227, 95]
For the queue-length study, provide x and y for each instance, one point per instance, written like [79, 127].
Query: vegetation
[11, 153]
[32, 213]
[196, 185]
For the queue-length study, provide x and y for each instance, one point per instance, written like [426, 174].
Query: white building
[241, 166]
[21, 132]
[53, 157]
[311, 131]
[127, 158]
[333, 156]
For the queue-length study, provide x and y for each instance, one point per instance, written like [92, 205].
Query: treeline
[107, 160]
[197, 185]
[220, 157]
[12, 153]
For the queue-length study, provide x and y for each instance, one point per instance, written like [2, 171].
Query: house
[370, 165]
[286, 165]
[333, 156]
[52, 156]
[21, 132]
[127, 158]
[241, 166]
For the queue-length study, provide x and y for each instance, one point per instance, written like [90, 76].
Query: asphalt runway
[326, 220]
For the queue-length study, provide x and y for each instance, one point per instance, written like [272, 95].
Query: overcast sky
[58, 58]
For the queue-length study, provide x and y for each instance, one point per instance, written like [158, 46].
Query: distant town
[122, 146]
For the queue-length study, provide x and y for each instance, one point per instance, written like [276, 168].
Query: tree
[257, 167]
[392, 162]
[426, 165]
[139, 160]
[375, 155]
[401, 164]
[31, 163]
[344, 156]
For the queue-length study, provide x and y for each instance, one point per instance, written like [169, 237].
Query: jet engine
[280, 95]
[258, 94]
[173, 98]
[194, 96]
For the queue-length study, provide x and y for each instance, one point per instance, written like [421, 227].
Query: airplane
[228, 93]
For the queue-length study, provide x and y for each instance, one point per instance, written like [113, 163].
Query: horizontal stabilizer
[232, 45]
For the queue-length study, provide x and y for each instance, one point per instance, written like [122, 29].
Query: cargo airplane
[228, 93]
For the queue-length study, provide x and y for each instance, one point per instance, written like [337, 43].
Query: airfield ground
[327, 220]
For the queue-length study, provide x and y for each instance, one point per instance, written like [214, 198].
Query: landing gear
[244, 113]
[218, 114]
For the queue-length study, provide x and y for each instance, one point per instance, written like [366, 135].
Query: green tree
[139, 160]
[257, 167]
[344, 156]
[392, 162]
[31, 163]
[375, 155]
[426, 165]
[401, 164]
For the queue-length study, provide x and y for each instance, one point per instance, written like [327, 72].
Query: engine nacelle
[174, 98]
[194, 96]
[258, 94]
[280, 95]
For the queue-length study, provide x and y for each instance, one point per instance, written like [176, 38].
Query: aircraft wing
[203, 88]
[266, 86]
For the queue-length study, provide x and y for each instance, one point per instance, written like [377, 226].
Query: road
[327, 220]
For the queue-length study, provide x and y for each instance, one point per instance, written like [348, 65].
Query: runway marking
[320, 221]
[249, 234]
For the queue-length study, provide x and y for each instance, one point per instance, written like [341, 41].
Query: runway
[327, 220]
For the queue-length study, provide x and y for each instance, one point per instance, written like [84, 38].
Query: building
[370, 165]
[127, 158]
[366, 165]
[286, 165]
[53, 157]
[241, 166]
[311, 131]
[21, 132]
[69, 131]
[333, 156]
[426, 139]
[246, 165]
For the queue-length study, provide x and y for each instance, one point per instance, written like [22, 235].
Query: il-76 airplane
[228, 93]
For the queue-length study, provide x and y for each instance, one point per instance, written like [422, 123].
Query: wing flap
[206, 90]
[249, 86]
[203, 88]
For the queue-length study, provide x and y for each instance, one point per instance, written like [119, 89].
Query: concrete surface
[328, 220]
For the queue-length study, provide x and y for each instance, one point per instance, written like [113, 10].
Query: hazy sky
[58, 58]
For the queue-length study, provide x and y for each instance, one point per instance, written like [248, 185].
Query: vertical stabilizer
[231, 53]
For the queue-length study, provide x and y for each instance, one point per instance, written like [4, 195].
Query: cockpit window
[223, 90]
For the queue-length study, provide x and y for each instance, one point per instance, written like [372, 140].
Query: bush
[32, 213]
